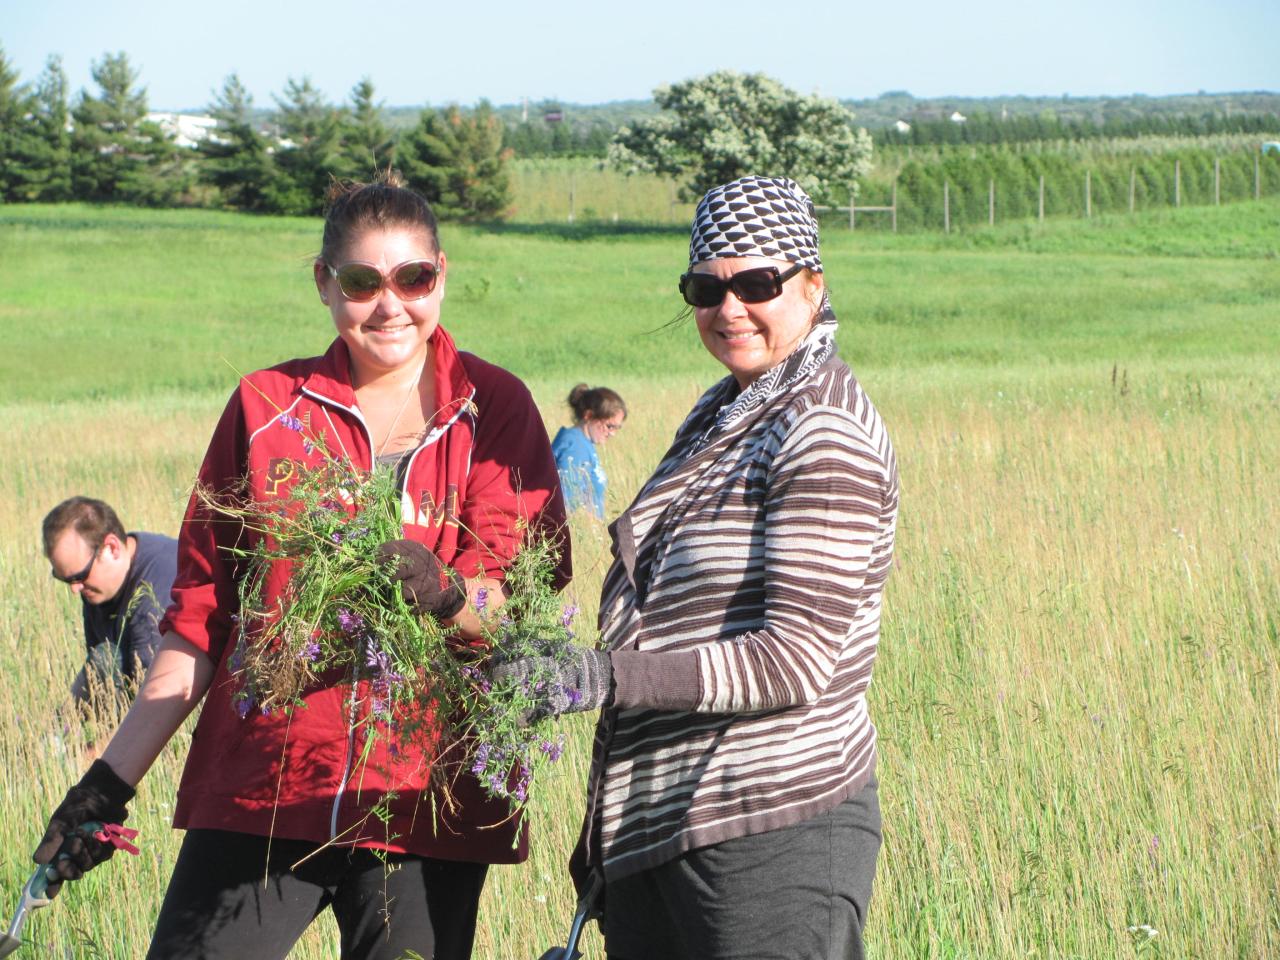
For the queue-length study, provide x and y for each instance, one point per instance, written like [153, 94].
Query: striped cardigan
[742, 610]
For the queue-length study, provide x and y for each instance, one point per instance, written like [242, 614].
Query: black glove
[426, 584]
[99, 796]
[579, 679]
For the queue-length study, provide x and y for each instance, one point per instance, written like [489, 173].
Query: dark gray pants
[218, 907]
[800, 893]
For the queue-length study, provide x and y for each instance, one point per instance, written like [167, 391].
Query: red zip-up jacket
[484, 473]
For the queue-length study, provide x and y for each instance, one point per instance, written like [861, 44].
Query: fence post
[894, 202]
[1217, 182]
[1133, 184]
[1177, 183]
[991, 203]
[1088, 194]
[1042, 198]
[946, 206]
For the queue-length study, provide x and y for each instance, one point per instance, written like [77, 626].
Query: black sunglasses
[362, 282]
[750, 286]
[79, 577]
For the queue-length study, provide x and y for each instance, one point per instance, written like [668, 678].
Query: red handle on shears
[118, 836]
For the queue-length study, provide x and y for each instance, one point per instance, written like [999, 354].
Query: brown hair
[90, 518]
[601, 402]
[384, 203]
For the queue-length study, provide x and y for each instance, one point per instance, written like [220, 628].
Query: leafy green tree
[722, 126]
[458, 162]
[234, 158]
[367, 144]
[309, 153]
[117, 155]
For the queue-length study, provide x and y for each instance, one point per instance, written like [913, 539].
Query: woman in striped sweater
[732, 807]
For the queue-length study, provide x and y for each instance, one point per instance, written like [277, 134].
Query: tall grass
[1077, 690]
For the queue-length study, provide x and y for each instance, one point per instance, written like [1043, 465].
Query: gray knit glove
[579, 679]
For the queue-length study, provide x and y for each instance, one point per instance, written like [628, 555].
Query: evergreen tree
[309, 152]
[235, 158]
[117, 154]
[367, 144]
[16, 127]
[459, 163]
[52, 161]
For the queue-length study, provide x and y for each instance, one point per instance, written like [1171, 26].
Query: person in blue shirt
[598, 413]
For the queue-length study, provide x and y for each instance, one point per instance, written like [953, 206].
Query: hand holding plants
[428, 586]
[578, 679]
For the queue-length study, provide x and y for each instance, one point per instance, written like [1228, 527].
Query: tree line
[100, 147]
[989, 128]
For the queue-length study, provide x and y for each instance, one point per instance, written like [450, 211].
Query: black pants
[218, 905]
[800, 893]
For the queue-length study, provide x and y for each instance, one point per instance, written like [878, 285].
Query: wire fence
[943, 192]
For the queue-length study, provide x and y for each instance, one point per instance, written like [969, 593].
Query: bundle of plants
[340, 619]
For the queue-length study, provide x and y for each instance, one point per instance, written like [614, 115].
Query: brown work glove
[99, 797]
[426, 584]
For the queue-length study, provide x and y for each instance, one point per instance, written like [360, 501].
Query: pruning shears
[35, 892]
[586, 911]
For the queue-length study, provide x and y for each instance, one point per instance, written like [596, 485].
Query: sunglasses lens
[359, 281]
[756, 286]
[703, 290]
[416, 279]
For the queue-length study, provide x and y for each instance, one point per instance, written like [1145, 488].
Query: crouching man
[123, 582]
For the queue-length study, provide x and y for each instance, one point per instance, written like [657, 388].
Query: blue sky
[594, 52]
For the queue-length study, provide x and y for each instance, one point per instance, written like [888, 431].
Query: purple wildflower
[378, 706]
[310, 652]
[496, 787]
[244, 705]
[482, 599]
[293, 423]
[574, 695]
[567, 615]
[351, 623]
[552, 748]
[336, 536]
[482, 758]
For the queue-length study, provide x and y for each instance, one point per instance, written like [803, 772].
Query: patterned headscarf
[756, 217]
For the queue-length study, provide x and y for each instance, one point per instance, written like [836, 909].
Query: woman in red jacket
[272, 796]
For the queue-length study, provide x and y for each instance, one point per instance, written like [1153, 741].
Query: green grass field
[1077, 690]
